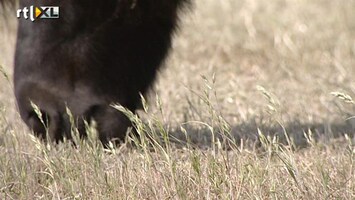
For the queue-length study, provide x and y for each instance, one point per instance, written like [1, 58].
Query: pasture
[254, 102]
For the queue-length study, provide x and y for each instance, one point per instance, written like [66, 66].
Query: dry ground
[239, 70]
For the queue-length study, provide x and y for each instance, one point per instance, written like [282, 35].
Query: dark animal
[95, 54]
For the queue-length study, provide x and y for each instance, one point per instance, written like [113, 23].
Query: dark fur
[97, 53]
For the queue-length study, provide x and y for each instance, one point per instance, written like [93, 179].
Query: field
[254, 102]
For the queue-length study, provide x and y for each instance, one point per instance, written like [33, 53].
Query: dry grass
[239, 71]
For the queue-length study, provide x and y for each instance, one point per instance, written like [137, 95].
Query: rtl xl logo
[39, 12]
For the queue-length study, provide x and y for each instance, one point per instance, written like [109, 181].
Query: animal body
[95, 54]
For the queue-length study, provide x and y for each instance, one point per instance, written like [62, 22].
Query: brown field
[254, 103]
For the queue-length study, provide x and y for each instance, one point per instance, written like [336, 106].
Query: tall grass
[157, 165]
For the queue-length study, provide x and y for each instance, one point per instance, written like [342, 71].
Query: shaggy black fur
[95, 54]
